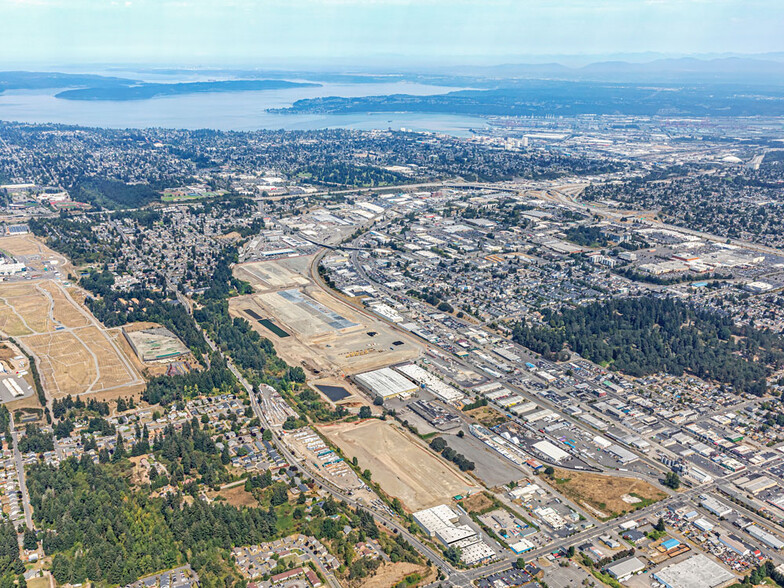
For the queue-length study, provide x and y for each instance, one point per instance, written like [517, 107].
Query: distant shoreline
[145, 91]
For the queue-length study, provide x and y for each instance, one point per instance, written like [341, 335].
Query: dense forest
[642, 336]
[72, 238]
[113, 194]
[96, 526]
[11, 567]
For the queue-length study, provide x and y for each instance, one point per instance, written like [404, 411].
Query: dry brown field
[606, 493]
[403, 467]
[74, 353]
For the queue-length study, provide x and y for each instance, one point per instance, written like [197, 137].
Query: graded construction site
[402, 467]
[310, 327]
[75, 353]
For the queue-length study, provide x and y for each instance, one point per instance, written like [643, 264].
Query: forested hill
[143, 91]
[642, 336]
[545, 97]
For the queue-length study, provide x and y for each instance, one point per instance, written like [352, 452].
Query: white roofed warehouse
[385, 383]
[553, 452]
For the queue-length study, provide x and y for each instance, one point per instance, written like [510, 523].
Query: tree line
[646, 335]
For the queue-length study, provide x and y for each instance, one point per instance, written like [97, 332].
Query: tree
[672, 480]
[453, 554]
[570, 551]
[280, 494]
[549, 470]
[520, 563]
[364, 412]
[659, 526]
[119, 449]
[30, 540]
[438, 444]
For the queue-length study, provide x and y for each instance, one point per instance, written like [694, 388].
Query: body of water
[239, 111]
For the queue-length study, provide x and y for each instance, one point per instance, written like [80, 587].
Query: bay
[233, 111]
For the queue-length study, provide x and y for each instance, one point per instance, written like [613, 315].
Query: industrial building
[7, 268]
[435, 415]
[768, 539]
[385, 383]
[553, 452]
[435, 518]
[625, 568]
[714, 506]
[424, 378]
[443, 523]
[624, 456]
[696, 572]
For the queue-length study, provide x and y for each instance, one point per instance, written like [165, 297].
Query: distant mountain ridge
[684, 69]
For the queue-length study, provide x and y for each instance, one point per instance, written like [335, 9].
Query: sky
[279, 33]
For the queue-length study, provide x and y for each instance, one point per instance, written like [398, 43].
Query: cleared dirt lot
[75, 353]
[326, 337]
[402, 467]
[31, 251]
[272, 275]
[612, 495]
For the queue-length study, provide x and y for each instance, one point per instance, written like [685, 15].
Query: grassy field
[487, 416]
[611, 495]
[479, 503]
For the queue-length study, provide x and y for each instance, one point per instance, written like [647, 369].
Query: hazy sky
[266, 33]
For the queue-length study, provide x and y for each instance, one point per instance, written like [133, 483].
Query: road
[316, 277]
[28, 510]
[600, 528]
[455, 577]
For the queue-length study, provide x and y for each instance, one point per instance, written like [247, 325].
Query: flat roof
[385, 382]
[696, 572]
[625, 567]
[551, 451]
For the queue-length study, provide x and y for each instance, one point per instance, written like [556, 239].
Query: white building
[555, 453]
[385, 383]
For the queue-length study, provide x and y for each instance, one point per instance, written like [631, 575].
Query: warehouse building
[624, 456]
[385, 383]
[553, 452]
[714, 506]
[424, 378]
[696, 572]
[624, 569]
[435, 518]
[443, 523]
[768, 539]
